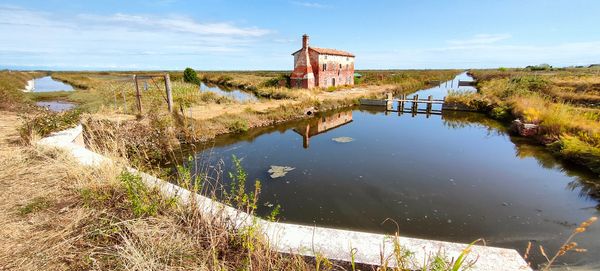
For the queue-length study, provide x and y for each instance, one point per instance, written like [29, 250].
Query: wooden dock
[412, 107]
[467, 83]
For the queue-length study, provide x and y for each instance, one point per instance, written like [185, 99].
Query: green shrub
[501, 112]
[190, 76]
[238, 126]
[274, 82]
[531, 83]
[143, 201]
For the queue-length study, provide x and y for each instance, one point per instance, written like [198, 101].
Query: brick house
[321, 67]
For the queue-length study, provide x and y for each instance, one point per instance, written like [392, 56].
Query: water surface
[56, 106]
[454, 177]
[47, 84]
[236, 94]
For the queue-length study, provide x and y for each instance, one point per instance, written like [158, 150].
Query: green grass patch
[37, 204]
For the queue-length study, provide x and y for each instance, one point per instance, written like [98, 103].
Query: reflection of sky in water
[47, 84]
[56, 106]
[440, 91]
[455, 177]
[235, 94]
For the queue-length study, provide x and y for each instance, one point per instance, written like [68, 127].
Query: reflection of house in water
[323, 124]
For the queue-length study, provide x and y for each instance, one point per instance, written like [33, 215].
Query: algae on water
[279, 171]
[342, 139]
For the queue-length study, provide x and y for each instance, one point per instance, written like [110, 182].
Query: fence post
[137, 94]
[169, 92]
[124, 101]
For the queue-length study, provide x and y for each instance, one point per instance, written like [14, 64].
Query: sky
[261, 35]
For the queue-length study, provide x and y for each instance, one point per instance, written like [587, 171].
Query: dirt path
[34, 204]
[203, 112]
[209, 111]
[9, 123]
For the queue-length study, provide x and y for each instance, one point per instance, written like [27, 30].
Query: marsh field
[376, 164]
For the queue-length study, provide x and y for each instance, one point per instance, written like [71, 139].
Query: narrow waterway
[56, 106]
[455, 177]
[235, 94]
[48, 84]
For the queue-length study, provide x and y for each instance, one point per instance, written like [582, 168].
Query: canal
[49, 84]
[456, 177]
[235, 94]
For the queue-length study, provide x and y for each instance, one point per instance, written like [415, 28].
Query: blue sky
[260, 35]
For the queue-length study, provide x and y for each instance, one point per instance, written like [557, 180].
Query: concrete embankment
[30, 86]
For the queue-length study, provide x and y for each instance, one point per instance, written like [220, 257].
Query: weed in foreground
[567, 246]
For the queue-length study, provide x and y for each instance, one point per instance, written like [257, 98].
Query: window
[325, 56]
[324, 66]
[347, 67]
[340, 66]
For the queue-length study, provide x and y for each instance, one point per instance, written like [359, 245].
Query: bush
[274, 82]
[238, 126]
[501, 112]
[190, 76]
[46, 122]
[531, 83]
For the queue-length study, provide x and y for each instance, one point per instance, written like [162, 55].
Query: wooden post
[124, 101]
[415, 104]
[169, 92]
[401, 102]
[389, 102]
[429, 105]
[116, 104]
[137, 94]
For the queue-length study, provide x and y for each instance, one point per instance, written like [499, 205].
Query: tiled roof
[327, 51]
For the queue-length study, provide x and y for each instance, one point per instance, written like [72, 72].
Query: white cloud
[310, 4]
[481, 39]
[177, 23]
[34, 38]
[484, 56]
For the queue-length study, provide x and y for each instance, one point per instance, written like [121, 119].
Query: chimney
[304, 41]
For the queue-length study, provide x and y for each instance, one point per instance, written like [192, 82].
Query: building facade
[321, 67]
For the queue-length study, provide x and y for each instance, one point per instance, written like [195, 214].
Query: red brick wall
[323, 78]
[302, 76]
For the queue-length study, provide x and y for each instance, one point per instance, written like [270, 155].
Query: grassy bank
[11, 85]
[563, 103]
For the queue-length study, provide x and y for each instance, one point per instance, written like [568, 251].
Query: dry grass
[563, 102]
[11, 85]
[58, 215]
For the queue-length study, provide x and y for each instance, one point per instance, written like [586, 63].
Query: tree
[190, 76]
